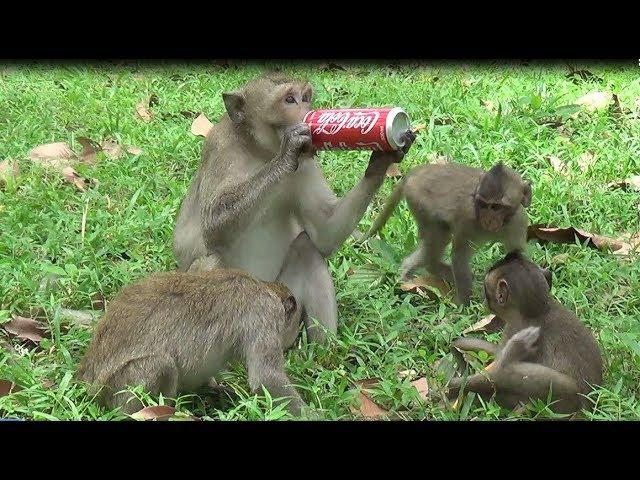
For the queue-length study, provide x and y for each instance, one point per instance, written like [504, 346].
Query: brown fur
[443, 199]
[544, 345]
[172, 331]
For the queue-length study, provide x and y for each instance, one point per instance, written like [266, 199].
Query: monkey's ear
[290, 305]
[234, 103]
[547, 276]
[526, 194]
[307, 93]
[502, 292]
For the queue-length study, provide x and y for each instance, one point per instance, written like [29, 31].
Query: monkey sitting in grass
[173, 331]
[544, 349]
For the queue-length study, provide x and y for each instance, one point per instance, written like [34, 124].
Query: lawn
[96, 236]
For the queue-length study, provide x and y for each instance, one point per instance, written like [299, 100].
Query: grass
[130, 213]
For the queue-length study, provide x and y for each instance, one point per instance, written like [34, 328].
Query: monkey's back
[438, 187]
[571, 348]
[181, 315]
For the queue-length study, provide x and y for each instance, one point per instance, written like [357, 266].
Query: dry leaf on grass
[393, 170]
[97, 301]
[142, 109]
[618, 246]
[595, 100]
[89, 150]
[48, 384]
[158, 412]
[8, 170]
[424, 286]
[71, 176]
[25, 329]
[56, 155]
[201, 125]
[407, 373]
[489, 324]
[632, 183]
[78, 317]
[557, 164]
[7, 387]
[586, 160]
[489, 105]
[419, 127]
[422, 386]
[367, 408]
[436, 158]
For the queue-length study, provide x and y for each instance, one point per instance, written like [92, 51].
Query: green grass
[130, 214]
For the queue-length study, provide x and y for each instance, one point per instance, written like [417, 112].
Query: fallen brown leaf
[393, 170]
[71, 176]
[7, 387]
[367, 407]
[419, 127]
[89, 150]
[407, 373]
[143, 111]
[490, 324]
[48, 384]
[423, 286]
[201, 125]
[489, 105]
[616, 108]
[436, 158]
[545, 233]
[422, 386]
[97, 301]
[595, 100]
[158, 412]
[25, 329]
[56, 155]
[134, 150]
[8, 170]
[632, 183]
[443, 121]
[586, 160]
[153, 100]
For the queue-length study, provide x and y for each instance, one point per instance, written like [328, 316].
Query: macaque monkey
[173, 331]
[260, 198]
[464, 206]
[544, 347]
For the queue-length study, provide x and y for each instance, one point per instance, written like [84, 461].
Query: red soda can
[358, 128]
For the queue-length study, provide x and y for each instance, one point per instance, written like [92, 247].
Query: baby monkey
[173, 331]
[464, 206]
[544, 347]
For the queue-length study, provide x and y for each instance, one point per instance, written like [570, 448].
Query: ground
[119, 229]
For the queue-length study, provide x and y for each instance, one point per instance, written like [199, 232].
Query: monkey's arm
[327, 219]
[229, 206]
[470, 344]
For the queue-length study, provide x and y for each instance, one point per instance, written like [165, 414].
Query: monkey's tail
[389, 207]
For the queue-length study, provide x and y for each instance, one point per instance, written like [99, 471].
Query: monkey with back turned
[260, 200]
[173, 331]
[464, 206]
[544, 347]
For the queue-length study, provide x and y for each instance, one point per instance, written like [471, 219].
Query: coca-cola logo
[331, 123]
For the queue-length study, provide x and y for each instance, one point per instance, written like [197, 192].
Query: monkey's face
[289, 104]
[492, 214]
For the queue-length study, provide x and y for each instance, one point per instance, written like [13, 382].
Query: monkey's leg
[480, 383]
[435, 241]
[519, 382]
[265, 368]
[412, 262]
[157, 374]
[461, 254]
[470, 344]
[306, 274]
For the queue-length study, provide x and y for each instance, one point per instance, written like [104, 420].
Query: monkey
[259, 197]
[464, 206]
[173, 331]
[544, 348]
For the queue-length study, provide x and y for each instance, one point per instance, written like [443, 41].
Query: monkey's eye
[290, 99]
[495, 207]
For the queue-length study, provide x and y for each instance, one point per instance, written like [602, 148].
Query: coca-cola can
[358, 128]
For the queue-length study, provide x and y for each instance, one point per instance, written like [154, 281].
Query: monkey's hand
[380, 161]
[519, 347]
[297, 140]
